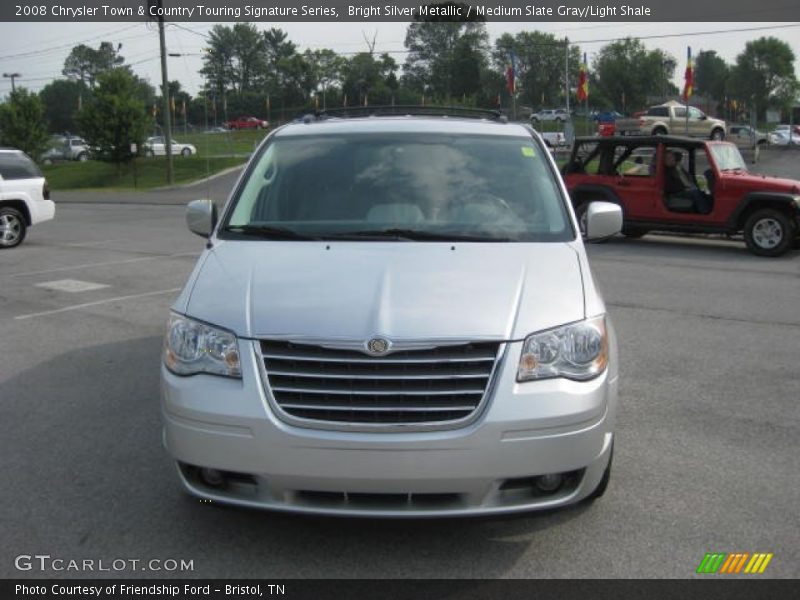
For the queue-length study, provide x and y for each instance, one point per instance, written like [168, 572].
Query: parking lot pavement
[779, 162]
[705, 458]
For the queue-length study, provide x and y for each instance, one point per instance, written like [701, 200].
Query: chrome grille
[433, 385]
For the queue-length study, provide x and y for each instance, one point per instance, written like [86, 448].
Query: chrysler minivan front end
[393, 316]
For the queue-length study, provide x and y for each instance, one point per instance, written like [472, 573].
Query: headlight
[192, 347]
[578, 351]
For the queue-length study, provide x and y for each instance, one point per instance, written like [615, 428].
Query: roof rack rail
[406, 110]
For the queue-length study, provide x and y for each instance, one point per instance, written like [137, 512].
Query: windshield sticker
[528, 151]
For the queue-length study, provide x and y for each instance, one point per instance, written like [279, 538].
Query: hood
[400, 290]
[766, 183]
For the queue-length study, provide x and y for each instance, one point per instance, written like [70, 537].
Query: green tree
[278, 50]
[764, 74]
[22, 123]
[445, 56]
[235, 60]
[61, 99]
[711, 74]
[625, 73]
[540, 66]
[370, 78]
[85, 64]
[326, 68]
[114, 118]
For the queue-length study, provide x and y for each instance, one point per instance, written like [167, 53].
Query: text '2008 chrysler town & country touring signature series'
[394, 316]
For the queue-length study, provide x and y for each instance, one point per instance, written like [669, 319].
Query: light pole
[165, 95]
[12, 76]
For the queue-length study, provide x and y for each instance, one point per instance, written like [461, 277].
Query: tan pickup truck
[670, 119]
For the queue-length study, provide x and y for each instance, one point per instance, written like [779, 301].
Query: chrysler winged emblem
[378, 346]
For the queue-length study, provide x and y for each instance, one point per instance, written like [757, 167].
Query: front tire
[768, 232]
[718, 135]
[83, 157]
[186, 152]
[12, 227]
[659, 131]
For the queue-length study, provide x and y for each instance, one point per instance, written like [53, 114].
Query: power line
[688, 34]
[70, 45]
[193, 31]
[561, 43]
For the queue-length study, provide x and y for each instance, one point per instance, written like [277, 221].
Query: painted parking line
[96, 303]
[101, 264]
[88, 244]
[72, 286]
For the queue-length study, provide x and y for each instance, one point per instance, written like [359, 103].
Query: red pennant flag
[688, 77]
[583, 82]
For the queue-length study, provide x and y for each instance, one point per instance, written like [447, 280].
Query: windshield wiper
[416, 235]
[270, 232]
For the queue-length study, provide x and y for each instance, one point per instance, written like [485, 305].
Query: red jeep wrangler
[666, 183]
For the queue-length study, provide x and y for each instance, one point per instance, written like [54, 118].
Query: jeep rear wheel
[12, 227]
[768, 232]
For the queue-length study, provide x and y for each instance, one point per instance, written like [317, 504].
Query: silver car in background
[393, 316]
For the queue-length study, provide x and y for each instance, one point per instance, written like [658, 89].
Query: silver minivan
[394, 315]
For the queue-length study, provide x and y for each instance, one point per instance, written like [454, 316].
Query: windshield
[401, 185]
[728, 157]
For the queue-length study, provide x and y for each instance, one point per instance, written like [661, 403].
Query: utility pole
[566, 73]
[569, 128]
[165, 95]
[12, 76]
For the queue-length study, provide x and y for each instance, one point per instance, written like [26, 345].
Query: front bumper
[526, 430]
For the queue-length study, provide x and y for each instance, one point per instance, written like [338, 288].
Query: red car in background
[246, 123]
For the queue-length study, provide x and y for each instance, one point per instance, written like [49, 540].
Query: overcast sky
[38, 50]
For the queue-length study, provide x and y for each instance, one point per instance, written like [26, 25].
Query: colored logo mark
[735, 562]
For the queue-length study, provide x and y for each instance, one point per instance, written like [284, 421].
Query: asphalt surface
[705, 460]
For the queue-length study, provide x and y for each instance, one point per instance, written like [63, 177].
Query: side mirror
[703, 117]
[603, 220]
[201, 217]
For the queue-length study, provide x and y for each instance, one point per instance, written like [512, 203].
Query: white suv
[394, 316]
[24, 197]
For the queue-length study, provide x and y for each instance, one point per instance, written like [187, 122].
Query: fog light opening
[549, 483]
[212, 477]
